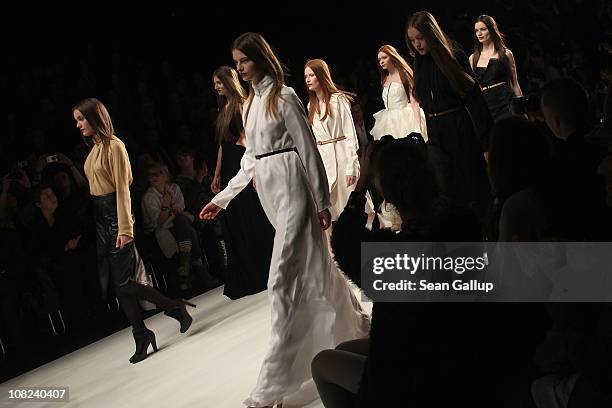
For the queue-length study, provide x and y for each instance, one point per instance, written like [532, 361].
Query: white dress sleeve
[297, 126]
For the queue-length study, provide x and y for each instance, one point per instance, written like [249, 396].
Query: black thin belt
[287, 150]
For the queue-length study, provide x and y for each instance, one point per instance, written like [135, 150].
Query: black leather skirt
[117, 266]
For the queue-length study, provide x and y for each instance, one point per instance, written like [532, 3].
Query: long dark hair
[257, 49]
[498, 38]
[229, 118]
[442, 51]
[98, 117]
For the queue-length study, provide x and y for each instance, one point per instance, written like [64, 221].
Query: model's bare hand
[216, 185]
[325, 219]
[123, 240]
[72, 244]
[209, 211]
[350, 180]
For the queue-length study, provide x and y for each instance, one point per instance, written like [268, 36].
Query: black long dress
[247, 232]
[457, 139]
[497, 98]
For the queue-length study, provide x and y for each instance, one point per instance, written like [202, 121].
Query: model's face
[417, 40]
[219, 87]
[384, 60]
[48, 200]
[245, 66]
[82, 124]
[312, 83]
[482, 32]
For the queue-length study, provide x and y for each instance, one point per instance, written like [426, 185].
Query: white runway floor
[215, 364]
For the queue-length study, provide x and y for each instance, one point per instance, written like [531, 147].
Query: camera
[521, 105]
[52, 159]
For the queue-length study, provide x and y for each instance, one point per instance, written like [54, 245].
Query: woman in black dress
[458, 120]
[247, 232]
[494, 66]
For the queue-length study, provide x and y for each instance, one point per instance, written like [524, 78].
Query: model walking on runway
[109, 173]
[312, 304]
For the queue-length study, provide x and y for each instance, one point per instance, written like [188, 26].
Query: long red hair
[405, 72]
[323, 74]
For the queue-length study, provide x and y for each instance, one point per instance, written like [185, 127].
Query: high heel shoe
[179, 312]
[142, 337]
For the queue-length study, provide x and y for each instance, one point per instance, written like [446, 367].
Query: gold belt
[324, 142]
[486, 88]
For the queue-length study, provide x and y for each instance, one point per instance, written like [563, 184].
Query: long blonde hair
[228, 105]
[323, 74]
[98, 118]
[404, 70]
[257, 49]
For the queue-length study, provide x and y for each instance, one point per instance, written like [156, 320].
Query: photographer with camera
[62, 159]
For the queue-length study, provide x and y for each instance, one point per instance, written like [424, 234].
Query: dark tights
[132, 292]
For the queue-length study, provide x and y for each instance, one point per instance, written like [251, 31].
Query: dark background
[53, 59]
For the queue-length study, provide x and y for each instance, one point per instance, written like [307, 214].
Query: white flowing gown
[312, 305]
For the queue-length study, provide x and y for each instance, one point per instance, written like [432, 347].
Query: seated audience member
[195, 185]
[163, 209]
[55, 251]
[193, 182]
[13, 274]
